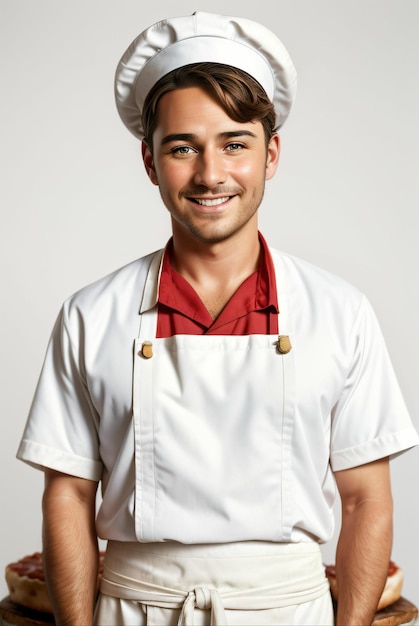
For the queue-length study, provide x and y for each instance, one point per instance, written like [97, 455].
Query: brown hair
[238, 93]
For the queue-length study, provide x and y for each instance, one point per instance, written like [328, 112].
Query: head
[235, 91]
[209, 128]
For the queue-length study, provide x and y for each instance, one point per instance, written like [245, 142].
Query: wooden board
[18, 615]
[401, 612]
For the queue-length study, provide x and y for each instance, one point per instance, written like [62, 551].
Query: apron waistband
[237, 578]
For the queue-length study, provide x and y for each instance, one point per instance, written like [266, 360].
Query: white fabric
[218, 584]
[336, 402]
[175, 42]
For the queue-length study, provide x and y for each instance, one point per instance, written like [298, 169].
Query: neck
[224, 260]
[216, 270]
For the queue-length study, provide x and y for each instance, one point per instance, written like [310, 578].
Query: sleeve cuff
[40, 457]
[387, 445]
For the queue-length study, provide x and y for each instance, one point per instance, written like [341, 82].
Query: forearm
[362, 559]
[70, 556]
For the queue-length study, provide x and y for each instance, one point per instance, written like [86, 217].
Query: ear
[149, 163]
[272, 159]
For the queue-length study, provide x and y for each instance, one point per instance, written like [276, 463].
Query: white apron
[213, 419]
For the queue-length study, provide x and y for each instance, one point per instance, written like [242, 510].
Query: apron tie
[202, 598]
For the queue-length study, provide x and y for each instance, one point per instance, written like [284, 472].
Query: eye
[234, 147]
[181, 150]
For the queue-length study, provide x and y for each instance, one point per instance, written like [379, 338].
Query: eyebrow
[191, 137]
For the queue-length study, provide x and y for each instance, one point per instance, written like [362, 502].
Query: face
[210, 170]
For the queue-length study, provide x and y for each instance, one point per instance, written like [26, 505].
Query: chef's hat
[175, 42]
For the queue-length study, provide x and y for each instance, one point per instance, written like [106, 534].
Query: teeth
[213, 202]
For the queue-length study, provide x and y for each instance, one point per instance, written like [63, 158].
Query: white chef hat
[178, 41]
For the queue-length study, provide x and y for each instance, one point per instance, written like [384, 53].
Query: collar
[266, 291]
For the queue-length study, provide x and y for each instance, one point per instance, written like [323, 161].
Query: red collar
[258, 292]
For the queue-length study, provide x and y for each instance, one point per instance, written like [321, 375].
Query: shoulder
[326, 298]
[121, 289]
[313, 278]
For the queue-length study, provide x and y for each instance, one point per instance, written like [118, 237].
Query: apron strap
[207, 598]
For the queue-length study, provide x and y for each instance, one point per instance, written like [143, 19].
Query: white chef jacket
[342, 407]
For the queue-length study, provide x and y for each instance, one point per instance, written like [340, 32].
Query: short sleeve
[61, 432]
[370, 420]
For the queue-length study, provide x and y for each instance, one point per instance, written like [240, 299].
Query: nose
[210, 169]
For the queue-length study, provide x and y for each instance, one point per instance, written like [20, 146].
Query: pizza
[26, 582]
[391, 592]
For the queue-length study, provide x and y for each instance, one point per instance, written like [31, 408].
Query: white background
[76, 204]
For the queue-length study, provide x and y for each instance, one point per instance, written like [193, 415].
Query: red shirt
[252, 310]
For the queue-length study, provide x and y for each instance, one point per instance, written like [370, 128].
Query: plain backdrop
[76, 204]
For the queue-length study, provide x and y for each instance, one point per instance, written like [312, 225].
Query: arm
[364, 546]
[70, 547]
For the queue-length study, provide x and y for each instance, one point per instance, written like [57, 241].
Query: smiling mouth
[210, 201]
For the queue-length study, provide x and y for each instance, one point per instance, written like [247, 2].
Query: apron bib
[213, 419]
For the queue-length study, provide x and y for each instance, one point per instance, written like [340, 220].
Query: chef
[218, 390]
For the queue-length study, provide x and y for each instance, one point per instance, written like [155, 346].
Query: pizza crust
[30, 592]
[391, 592]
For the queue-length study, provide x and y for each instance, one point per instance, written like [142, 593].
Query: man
[217, 389]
